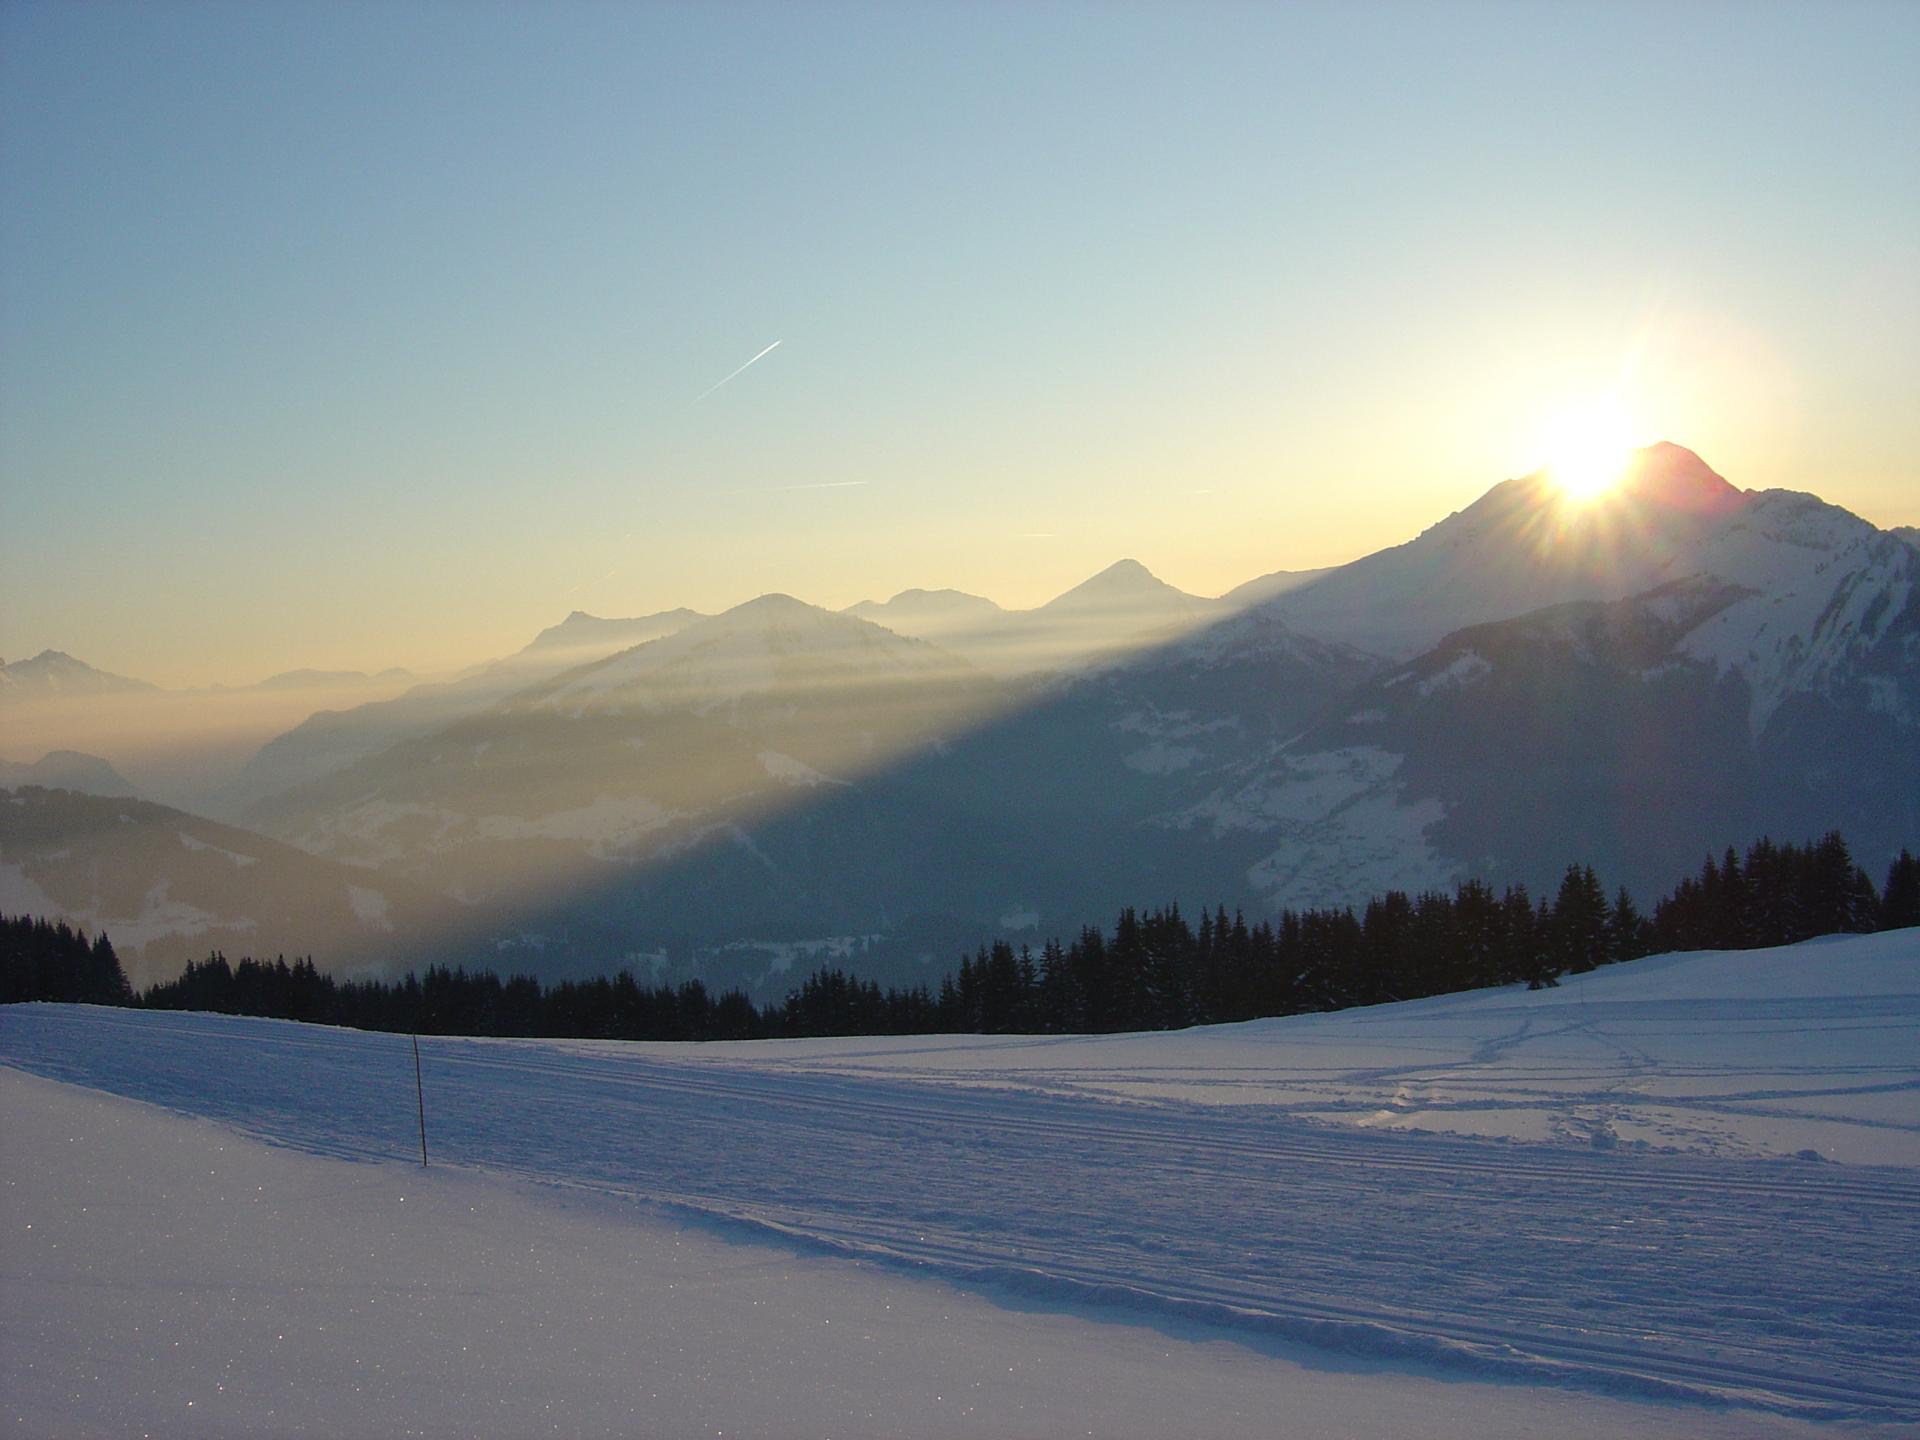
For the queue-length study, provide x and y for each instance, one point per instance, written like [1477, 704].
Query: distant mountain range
[675, 753]
[331, 740]
[1124, 607]
[56, 673]
[582, 637]
[1527, 683]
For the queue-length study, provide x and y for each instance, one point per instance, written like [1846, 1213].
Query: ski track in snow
[1767, 1282]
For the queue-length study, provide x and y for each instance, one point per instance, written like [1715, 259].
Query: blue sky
[358, 334]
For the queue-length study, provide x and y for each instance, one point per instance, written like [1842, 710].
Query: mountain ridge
[783, 775]
[1521, 546]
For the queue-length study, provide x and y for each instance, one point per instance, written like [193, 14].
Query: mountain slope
[330, 740]
[582, 637]
[782, 774]
[772, 645]
[67, 770]
[624, 804]
[1829, 607]
[1266, 587]
[1766, 679]
[1635, 735]
[170, 887]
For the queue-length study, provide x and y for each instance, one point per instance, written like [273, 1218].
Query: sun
[1587, 450]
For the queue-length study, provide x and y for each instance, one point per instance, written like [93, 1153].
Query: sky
[353, 335]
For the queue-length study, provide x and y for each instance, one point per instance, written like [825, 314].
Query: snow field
[168, 1277]
[1759, 1053]
[1260, 1184]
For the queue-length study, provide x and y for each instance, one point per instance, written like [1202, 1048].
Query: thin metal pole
[420, 1095]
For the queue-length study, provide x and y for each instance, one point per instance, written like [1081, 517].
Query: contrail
[824, 485]
[718, 383]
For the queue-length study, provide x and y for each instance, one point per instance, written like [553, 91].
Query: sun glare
[1587, 450]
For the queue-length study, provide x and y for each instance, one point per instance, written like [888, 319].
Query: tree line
[1154, 970]
[44, 960]
[1158, 971]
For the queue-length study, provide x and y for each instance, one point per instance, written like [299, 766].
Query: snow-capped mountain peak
[1521, 547]
[1831, 601]
[54, 672]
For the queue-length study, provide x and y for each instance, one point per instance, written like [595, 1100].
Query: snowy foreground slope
[1810, 1051]
[1257, 1229]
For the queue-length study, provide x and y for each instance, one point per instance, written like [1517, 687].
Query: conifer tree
[1628, 933]
[1900, 901]
[1840, 897]
[1579, 922]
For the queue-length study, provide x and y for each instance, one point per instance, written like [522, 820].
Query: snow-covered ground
[1809, 1051]
[1255, 1229]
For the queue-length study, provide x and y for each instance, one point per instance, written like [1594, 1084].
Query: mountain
[1776, 691]
[1521, 547]
[169, 887]
[56, 673]
[585, 636]
[621, 804]
[950, 618]
[774, 645]
[67, 770]
[1047, 813]
[1768, 679]
[931, 606]
[1681, 666]
[1124, 607]
[331, 740]
[781, 782]
[1128, 592]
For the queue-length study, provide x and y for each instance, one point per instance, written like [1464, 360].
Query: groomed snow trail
[163, 1276]
[1782, 1284]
